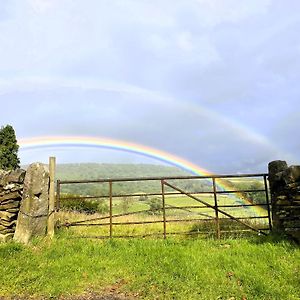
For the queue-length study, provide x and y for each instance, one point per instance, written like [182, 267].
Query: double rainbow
[107, 143]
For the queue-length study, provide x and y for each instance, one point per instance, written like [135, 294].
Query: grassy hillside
[91, 171]
[82, 171]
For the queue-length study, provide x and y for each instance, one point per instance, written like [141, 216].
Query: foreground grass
[257, 268]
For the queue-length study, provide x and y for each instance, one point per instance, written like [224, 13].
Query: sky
[215, 82]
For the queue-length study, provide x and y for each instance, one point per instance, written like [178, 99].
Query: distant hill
[81, 171]
[92, 171]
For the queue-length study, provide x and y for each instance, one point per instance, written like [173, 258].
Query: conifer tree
[8, 149]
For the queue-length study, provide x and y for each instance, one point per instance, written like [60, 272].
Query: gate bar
[268, 201]
[159, 194]
[154, 222]
[164, 207]
[110, 209]
[51, 211]
[58, 187]
[162, 178]
[216, 208]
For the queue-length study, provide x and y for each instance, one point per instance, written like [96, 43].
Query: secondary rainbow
[107, 143]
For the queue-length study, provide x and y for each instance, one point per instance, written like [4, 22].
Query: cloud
[42, 6]
[214, 12]
[207, 80]
[136, 115]
[62, 34]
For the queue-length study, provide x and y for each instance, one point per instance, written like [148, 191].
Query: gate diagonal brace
[213, 207]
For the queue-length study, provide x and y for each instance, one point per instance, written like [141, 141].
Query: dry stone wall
[285, 197]
[11, 191]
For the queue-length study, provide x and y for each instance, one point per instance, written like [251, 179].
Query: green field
[183, 268]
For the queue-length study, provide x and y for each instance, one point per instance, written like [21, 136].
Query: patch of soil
[96, 296]
[86, 296]
[109, 293]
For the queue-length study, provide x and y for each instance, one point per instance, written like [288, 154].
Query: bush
[143, 198]
[255, 197]
[82, 205]
[155, 206]
[126, 202]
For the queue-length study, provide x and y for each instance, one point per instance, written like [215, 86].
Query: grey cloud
[239, 60]
[170, 126]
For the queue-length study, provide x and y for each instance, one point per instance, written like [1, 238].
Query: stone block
[16, 176]
[294, 233]
[3, 177]
[291, 175]
[7, 223]
[10, 205]
[2, 227]
[6, 216]
[282, 200]
[7, 230]
[33, 215]
[291, 224]
[6, 237]
[282, 197]
[30, 227]
[277, 166]
[13, 210]
[9, 196]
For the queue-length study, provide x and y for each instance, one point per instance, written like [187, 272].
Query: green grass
[183, 268]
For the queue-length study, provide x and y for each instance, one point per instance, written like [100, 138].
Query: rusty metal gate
[215, 207]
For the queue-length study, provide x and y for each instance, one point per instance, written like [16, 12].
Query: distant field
[136, 211]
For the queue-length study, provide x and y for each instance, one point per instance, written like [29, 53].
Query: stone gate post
[285, 198]
[33, 214]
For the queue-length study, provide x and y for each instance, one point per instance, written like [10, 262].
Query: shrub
[126, 202]
[155, 206]
[82, 205]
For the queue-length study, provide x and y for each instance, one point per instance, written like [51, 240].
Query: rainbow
[108, 143]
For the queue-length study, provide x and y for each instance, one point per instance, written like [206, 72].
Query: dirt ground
[111, 292]
[86, 296]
